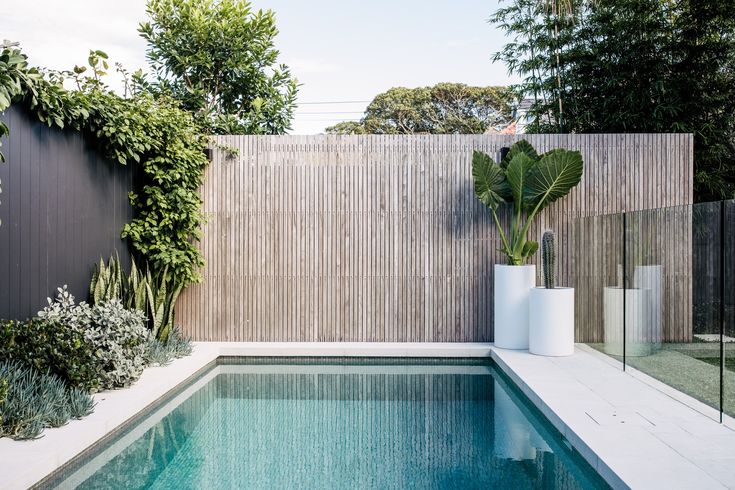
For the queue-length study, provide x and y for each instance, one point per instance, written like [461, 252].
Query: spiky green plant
[548, 255]
[153, 294]
[107, 281]
[162, 298]
[36, 400]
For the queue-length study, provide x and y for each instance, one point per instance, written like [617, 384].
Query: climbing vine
[152, 133]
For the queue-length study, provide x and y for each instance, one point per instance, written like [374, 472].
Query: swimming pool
[337, 423]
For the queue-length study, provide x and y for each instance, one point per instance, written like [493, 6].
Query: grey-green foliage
[36, 400]
[3, 395]
[548, 255]
[162, 353]
[528, 181]
[154, 295]
[118, 335]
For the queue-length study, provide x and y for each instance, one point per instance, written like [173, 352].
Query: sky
[343, 51]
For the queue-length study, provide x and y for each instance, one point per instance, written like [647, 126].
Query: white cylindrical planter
[513, 284]
[650, 277]
[551, 321]
[636, 313]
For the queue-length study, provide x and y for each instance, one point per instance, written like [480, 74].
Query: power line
[330, 112]
[324, 120]
[335, 102]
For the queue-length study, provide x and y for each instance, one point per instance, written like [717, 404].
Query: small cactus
[548, 254]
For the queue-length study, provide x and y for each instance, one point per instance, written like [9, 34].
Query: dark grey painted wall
[62, 207]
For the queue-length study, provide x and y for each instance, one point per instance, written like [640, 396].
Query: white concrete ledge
[353, 349]
[634, 435]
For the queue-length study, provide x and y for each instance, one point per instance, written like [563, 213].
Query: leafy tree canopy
[445, 108]
[631, 66]
[217, 57]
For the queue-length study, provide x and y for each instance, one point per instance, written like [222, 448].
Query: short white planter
[513, 284]
[637, 302]
[650, 277]
[551, 321]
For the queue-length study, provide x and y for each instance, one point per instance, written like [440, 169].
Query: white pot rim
[557, 288]
[515, 266]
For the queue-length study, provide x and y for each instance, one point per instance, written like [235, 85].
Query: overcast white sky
[340, 50]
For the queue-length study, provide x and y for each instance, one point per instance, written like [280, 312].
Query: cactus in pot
[548, 256]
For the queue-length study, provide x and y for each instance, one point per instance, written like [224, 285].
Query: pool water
[339, 424]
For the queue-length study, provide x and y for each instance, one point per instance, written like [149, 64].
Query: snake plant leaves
[556, 173]
[491, 186]
[519, 147]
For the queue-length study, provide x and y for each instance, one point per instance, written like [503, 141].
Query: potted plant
[551, 310]
[529, 182]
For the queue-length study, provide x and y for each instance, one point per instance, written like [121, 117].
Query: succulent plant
[548, 255]
[153, 294]
[36, 400]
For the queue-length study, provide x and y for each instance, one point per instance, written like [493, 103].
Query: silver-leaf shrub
[119, 337]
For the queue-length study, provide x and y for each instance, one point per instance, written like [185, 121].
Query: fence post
[722, 307]
[625, 285]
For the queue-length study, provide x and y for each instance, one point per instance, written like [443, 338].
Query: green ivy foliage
[154, 133]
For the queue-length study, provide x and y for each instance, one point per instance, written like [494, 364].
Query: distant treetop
[445, 108]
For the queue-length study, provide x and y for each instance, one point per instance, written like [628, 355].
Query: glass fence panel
[598, 280]
[728, 347]
[673, 276]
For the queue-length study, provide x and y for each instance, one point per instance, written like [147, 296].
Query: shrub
[35, 400]
[53, 346]
[117, 337]
[3, 395]
[120, 338]
[162, 353]
[154, 294]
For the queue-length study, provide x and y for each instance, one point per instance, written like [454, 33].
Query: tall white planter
[650, 277]
[551, 321]
[513, 284]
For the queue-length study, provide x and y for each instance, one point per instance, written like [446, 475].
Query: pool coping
[548, 382]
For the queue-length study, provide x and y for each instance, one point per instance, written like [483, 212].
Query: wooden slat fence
[380, 238]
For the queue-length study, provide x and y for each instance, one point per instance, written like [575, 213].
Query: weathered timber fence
[380, 238]
[62, 207]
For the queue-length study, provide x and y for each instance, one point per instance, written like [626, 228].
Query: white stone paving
[635, 435]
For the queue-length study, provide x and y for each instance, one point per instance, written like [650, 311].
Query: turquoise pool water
[338, 424]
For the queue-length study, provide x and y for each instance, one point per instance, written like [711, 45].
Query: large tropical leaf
[517, 173]
[491, 186]
[519, 147]
[556, 173]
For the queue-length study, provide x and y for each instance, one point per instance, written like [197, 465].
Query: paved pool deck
[635, 432]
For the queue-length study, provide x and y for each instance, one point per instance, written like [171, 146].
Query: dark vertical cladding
[62, 207]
